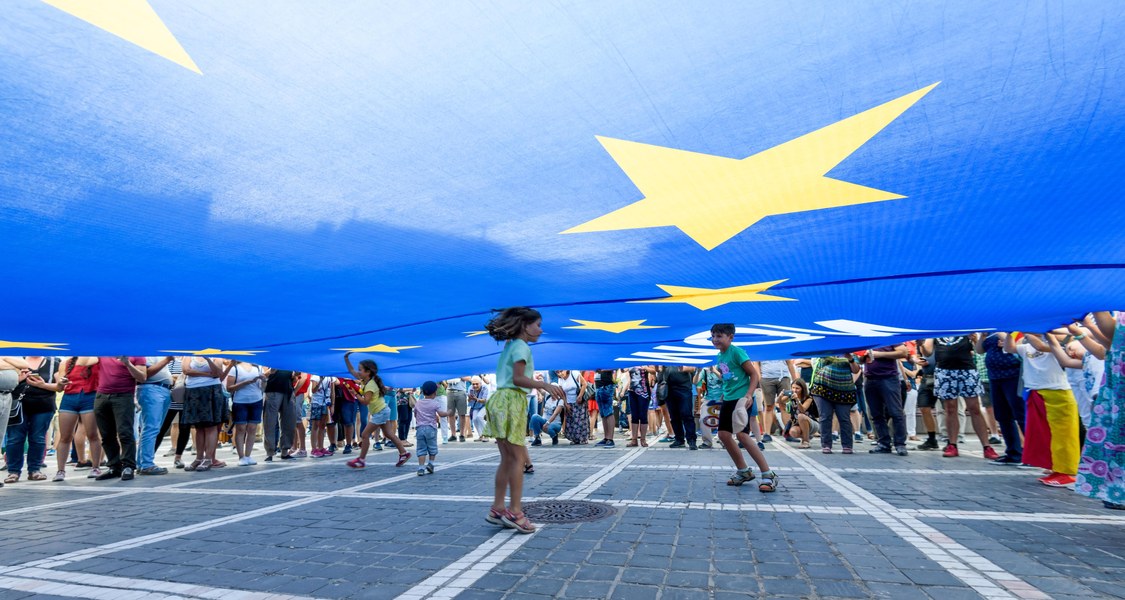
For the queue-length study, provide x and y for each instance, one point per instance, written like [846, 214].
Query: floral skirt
[507, 416]
[578, 423]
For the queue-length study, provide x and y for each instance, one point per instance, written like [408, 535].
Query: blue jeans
[884, 399]
[33, 432]
[537, 425]
[154, 400]
[363, 415]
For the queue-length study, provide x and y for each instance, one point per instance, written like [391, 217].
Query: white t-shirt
[549, 409]
[192, 381]
[248, 394]
[1040, 369]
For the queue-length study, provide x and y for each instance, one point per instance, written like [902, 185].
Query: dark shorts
[347, 413]
[317, 411]
[726, 416]
[605, 400]
[245, 414]
[926, 397]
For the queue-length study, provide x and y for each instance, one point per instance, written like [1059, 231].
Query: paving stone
[786, 587]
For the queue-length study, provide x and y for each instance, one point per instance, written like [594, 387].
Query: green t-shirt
[514, 351]
[735, 380]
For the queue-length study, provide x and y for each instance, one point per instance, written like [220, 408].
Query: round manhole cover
[566, 511]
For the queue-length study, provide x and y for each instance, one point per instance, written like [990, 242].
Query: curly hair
[509, 323]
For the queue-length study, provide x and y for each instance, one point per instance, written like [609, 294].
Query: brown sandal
[36, 476]
[12, 478]
[632, 444]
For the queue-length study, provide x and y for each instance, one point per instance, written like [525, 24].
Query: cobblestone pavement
[861, 526]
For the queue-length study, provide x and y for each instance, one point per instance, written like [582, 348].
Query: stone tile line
[1000, 472]
[595, 481]
[459, 576]
[141, 490]
[988, 515]
[740, 507]
[87, 553]
[71, 590]
[979, 573]
[97, 586]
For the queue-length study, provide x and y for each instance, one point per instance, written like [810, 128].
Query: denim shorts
[245, 414]
[380, 417]
[347, 413]
[77, 403]
[605, 400]
[317, 411]
[426, 441]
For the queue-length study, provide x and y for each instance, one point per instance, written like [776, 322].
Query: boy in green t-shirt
[740, 379]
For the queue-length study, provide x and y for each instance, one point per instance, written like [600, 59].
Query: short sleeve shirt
[514, 351]
[115, 378]
[377, 403]
[735, 381]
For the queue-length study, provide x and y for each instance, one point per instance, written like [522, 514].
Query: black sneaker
[288, 457]
[677, 444]
[554, 440]
[127, 474]
[110, 474]
[880, 450]
[901, 451]
[153, 470]
[601, 443]
[609, 444]
[691, 446]
[927, 445]
[460, 438]
[537, 442]
[1005, 461]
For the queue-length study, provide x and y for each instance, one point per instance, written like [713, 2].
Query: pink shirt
[114, 377]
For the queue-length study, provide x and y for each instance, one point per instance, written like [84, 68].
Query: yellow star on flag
[706, 299]
[714, 198]
[474, 333]
[215, 352]
[611, 327]
[133, 21]
[379, 348]
[33, 345]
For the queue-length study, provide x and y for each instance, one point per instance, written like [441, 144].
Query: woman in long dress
[1101, 471]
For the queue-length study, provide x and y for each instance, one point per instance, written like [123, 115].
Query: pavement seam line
[458, 576]
[95, 551]
[931, 542]
[148, 585]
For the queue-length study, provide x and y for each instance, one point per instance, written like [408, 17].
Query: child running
[507, 409]
[740, 379]
[427, 411]
[379, 419]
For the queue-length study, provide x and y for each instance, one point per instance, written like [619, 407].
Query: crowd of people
[1049, 402]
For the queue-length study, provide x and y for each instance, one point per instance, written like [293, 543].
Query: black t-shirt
[954, 353]
[280, 382]
[38, 401]
[603, 378]
[677, 379]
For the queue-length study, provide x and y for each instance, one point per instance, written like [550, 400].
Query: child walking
[373, 395]
[427, 412]
[507, 410]
[740, 379]
[320, 407]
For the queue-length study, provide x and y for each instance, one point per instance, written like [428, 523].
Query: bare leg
[392, 436]
[67, 423]
[952, 423]
[79, 440]
[365, 440]
[727, 438]
[972, 406]
[755, 453]
[503, 474]
[928, 419]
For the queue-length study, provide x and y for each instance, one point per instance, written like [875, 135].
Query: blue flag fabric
[283, 180]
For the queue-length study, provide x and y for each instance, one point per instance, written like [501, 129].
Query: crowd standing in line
[1051, 401]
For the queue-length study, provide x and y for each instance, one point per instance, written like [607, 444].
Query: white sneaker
[93, 474]
[244, 462]
[251, 461]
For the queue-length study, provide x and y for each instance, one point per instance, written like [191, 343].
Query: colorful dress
[1101, 473]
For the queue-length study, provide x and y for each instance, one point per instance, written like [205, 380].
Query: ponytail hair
[509, 323]
[373, 370]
